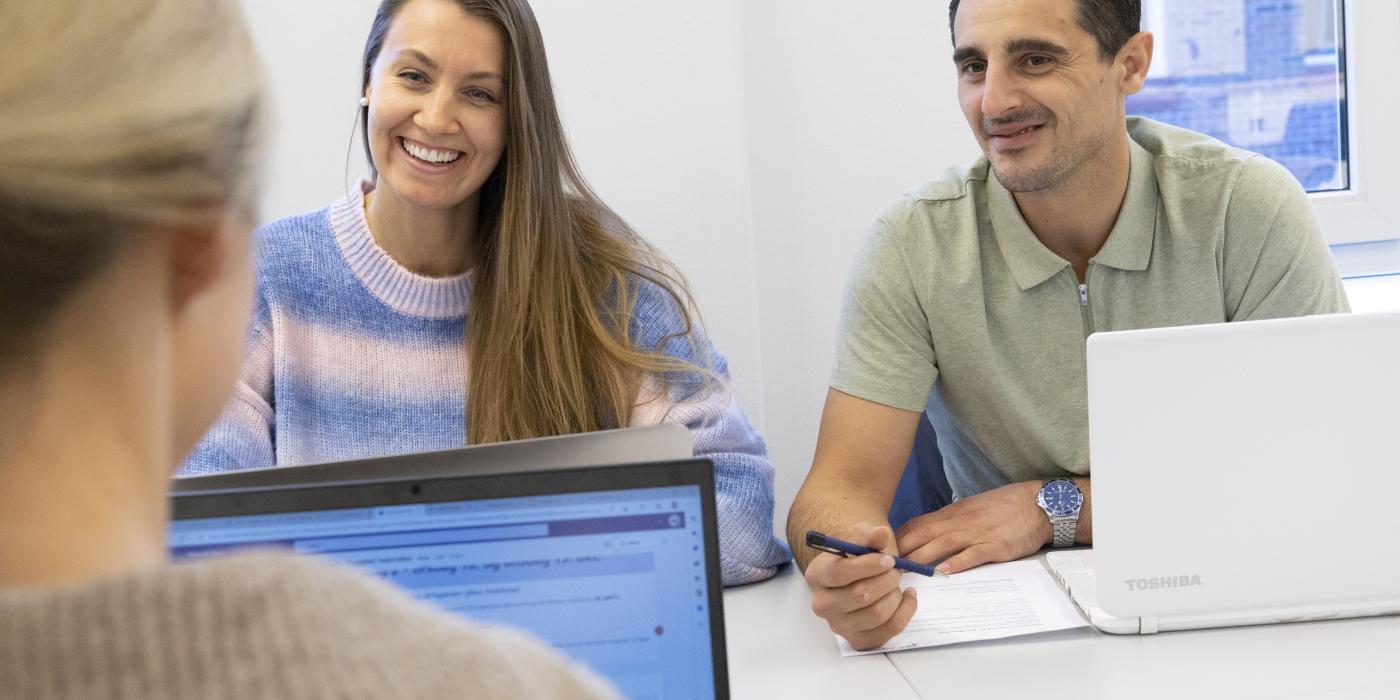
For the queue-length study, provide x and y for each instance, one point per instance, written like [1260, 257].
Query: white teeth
[429, 154]
[1012, 136]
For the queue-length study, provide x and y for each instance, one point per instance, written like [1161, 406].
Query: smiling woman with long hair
[128, 134]
[476, 290]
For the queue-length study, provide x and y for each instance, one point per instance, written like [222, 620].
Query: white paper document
[989, 602]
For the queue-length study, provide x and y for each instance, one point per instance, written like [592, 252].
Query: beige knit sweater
[263, 625]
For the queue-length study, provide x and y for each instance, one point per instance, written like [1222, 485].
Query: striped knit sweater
[351, 355]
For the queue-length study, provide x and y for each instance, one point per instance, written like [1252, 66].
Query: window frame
[1369, 209]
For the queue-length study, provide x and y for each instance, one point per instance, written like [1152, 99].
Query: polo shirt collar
[1129, 244]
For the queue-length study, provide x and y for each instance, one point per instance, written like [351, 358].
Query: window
[1305, 82]
[1265, 75]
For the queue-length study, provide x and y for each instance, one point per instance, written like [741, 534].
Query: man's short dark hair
[1112, 22]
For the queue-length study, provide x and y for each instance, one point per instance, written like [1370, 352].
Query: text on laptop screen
[615, 579]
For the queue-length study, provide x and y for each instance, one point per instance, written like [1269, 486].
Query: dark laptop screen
[616, 578]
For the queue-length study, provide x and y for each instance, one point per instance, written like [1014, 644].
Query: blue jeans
[924, 486]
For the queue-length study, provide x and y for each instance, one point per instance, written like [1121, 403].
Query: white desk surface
[778, 648]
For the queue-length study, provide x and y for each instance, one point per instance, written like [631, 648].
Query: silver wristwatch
[1061, 500]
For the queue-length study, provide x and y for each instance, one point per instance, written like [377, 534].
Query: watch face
[1061, 498]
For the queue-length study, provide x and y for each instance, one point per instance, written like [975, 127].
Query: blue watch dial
[1061, 498]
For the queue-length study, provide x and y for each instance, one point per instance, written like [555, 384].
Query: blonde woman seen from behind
[476, 290]
[127, 131]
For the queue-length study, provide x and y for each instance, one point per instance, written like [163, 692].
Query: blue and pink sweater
[351, 355]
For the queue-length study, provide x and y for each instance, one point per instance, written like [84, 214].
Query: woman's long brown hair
[557, 273]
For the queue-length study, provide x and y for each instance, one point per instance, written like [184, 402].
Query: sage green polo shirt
[955, 307]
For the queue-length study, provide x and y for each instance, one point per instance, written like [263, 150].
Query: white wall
[650, 94]
[311, 53]
[847, 109]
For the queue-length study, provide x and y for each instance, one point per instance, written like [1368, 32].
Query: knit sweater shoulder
[351, 355]
[263, 625]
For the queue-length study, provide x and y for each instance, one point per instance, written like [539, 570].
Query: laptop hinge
[1147, 625]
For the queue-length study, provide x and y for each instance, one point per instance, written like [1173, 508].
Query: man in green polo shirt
[974, 294]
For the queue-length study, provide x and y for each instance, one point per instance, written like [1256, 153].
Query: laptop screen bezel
[367, 494]
[640, 445]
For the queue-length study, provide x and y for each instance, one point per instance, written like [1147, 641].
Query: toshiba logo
[1159, 582]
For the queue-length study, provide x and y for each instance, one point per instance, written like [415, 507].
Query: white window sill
[1371, 294]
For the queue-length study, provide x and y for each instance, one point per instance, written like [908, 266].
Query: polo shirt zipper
[1084, 306]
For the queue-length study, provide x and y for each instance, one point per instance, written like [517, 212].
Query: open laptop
[1243, 473]
[658, 443]
[616, 566]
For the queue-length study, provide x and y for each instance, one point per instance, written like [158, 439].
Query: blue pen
[826, 543]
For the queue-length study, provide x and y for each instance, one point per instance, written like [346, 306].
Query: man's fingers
[945, 546]
[870, 639]
[872, 616]
[976, 555]
[833, 604]
[831, 571]
[917, 531]
[880, 539]
[864, 593]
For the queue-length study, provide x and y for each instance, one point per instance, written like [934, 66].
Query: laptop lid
[1250, 468]
[657, 443]
[616, 566]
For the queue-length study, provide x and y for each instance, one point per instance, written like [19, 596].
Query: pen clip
[817, 541]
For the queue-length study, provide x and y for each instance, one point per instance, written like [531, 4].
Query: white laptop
[657, 443]
[1243, 474]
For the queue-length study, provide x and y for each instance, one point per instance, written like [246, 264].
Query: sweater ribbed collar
[398, 287]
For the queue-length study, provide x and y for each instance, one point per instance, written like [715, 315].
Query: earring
[364, 101]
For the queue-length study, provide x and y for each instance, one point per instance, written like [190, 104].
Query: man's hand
[1004, 524]
[859, 597]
